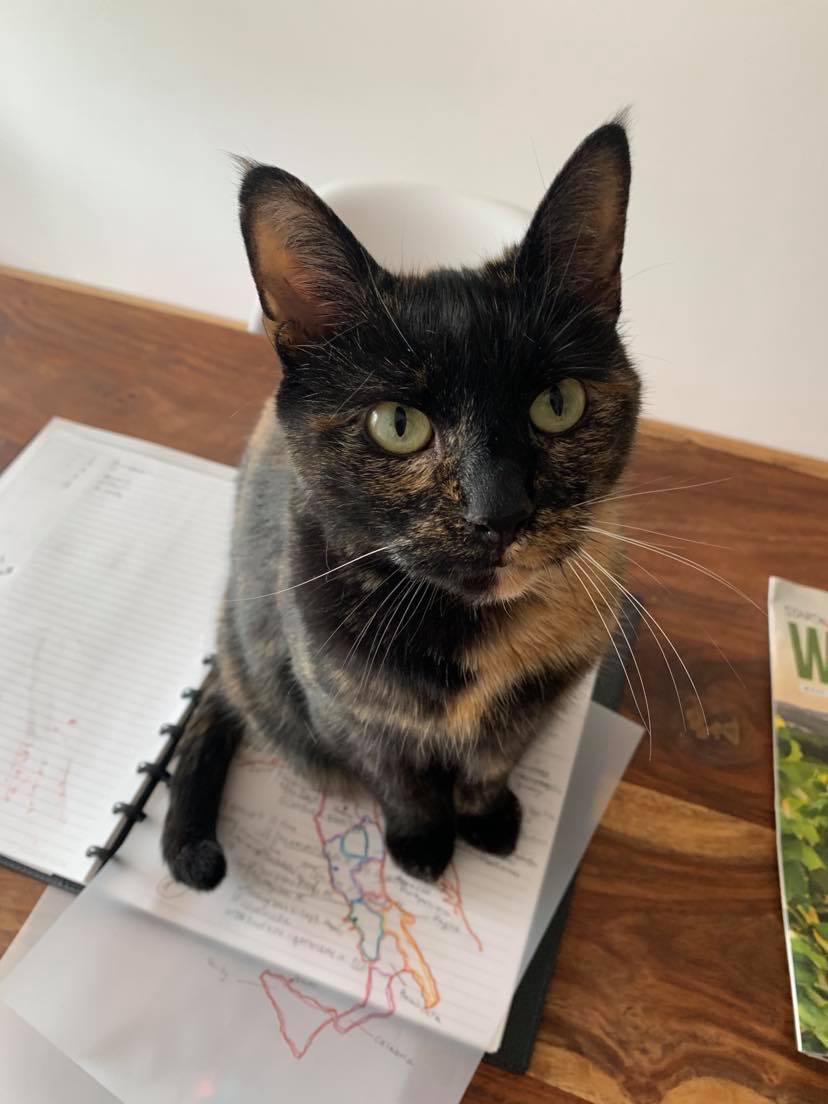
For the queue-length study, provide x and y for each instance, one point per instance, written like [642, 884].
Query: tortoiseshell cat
[437, 444]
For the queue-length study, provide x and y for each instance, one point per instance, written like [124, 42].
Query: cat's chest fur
[548, 632]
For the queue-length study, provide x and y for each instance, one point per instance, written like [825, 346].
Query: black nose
[498, 536]
[497, 501]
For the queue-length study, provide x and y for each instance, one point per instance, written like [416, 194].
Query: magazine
[799, 681]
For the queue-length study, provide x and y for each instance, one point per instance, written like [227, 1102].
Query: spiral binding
[131, 812]
[154, 771]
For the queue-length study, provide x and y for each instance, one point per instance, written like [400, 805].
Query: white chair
[414, 227]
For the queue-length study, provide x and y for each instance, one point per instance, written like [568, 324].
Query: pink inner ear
[608, 209]
[290, 287]
[578, 230]
[295, 272]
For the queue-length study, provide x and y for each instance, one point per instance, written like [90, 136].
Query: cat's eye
[559, 407]
[398, 428]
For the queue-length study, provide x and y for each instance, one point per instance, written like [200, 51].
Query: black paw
[424, 854]
[496, 830]
[199, 864]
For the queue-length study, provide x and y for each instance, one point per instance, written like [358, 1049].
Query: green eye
[559, 407]
[398, 428]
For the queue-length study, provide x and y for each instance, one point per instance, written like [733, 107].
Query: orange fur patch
[555, 622]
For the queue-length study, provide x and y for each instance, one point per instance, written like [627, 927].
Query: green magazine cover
[798, 631]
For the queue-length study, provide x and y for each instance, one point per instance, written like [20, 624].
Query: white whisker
[382, 302]
[428, 606]
[355, 391]
[673, 536]
[323, 575]
[418, 593]
[639, 605]
[679, 559]
[658, 490]
[368, 594]
[384, 626]
[368, 623]
[646, 570]
[610, 606]
[581, 579]
[736, 674]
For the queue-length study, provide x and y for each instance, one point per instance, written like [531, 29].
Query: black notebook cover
[518, 1042]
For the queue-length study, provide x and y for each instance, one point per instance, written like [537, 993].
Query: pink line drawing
[62, 785]
[453, 897]
[354, 848]
[302, 1017]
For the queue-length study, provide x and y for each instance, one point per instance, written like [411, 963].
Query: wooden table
[671, 986]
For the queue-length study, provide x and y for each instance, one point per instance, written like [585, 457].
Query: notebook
[113, 553]
[523, 1020]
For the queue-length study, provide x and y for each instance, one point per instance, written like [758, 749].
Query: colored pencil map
[352, 843]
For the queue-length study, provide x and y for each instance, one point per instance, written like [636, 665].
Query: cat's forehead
[455, 305]
[501, 332]
[464, 342]
[461, 327]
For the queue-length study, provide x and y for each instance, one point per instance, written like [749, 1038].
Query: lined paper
[311, 890]
[168, 1053]
[112, 560]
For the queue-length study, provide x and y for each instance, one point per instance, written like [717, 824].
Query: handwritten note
[112, 560]
[312, 891]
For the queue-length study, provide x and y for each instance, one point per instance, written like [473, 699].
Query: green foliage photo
[803, 801]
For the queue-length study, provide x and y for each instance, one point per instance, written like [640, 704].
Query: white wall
[114, 119]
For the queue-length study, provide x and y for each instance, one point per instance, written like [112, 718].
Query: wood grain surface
[671, 986]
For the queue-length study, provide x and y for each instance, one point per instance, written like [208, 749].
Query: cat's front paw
[423, 854]
[199, 863]
[496, 830]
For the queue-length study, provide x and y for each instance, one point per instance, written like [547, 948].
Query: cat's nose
[497, 503]
[499, 532]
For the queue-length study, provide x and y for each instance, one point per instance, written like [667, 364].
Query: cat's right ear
[310, 271]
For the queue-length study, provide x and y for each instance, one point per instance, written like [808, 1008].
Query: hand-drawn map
[354, 849]
[347, 936]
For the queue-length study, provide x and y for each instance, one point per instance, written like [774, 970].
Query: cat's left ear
[576, 239]
[311, 273]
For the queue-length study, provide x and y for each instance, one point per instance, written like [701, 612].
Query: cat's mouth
[496, 575]
[521, 570]
[501, 582]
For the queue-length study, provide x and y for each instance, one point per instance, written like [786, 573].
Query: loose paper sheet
[162, 1017]
[311, 890]
[112, 559]
[33, 1070]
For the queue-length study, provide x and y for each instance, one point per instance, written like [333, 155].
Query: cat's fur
[424, 670]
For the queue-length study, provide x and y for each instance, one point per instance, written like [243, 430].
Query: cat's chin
[512, 582]
[505, 583]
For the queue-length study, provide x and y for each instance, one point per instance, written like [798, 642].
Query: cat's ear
[576, 239]
[309, 269]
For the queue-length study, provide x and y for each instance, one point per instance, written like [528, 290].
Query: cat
[407, 600]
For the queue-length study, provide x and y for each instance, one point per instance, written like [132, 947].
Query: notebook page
[115, 552]
[311, 890]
